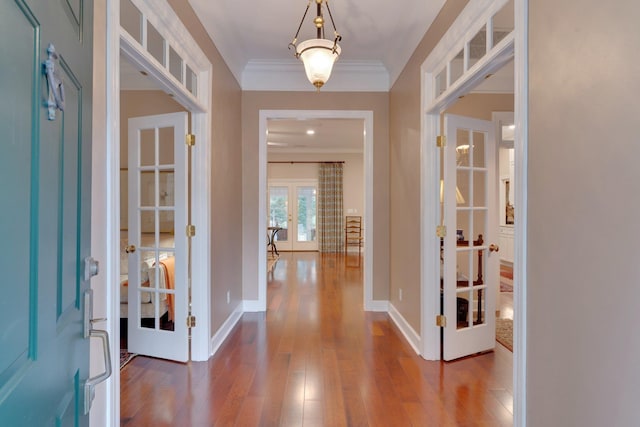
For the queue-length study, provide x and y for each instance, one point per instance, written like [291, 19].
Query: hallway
[315, 358]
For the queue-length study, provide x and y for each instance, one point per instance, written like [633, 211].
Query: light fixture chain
[335, 30]
[295, 38]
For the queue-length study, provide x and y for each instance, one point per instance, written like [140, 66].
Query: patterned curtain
[330, 215]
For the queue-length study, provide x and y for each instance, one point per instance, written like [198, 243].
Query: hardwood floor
[317, 359]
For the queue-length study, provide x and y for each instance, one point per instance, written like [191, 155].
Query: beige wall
[404, 140]
[252, 103]
[583, 273]
[353, 174]
[226, 175]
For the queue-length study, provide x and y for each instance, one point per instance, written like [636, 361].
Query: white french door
[157, 242]
[471, 264]
[293, 208]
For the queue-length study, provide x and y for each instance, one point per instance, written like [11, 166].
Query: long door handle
[89, 332]
[90, 385]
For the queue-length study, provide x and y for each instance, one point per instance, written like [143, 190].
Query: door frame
[292, 183]
[474, 15]
[106, 228]
[265, 116]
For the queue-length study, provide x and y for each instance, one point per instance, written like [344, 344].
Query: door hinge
[441, 141]
[191, 321]
[441, 320]
[191, 230]
[190, 140]
[441, 231]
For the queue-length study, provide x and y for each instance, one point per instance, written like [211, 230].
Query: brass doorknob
[130, 249]
[494, 248]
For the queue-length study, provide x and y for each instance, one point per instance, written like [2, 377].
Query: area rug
[125, 357]
[506, 285]
[504, 332]
[506, 279]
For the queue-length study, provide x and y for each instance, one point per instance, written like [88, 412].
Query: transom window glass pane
[456, 67]
[441, 82]
[503, 22]
[191, 82]
[155, 43]
[131, 20]
[478, 46]
[175, 64]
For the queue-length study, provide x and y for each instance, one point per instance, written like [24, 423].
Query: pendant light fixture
[318, 55]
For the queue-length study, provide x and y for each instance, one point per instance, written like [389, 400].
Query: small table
[271, 238]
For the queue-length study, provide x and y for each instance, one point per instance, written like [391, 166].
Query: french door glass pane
[279, 211]
[471, 228]
[306, 220]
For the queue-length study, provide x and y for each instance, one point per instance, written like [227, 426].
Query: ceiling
[315, 136]
[378, 35]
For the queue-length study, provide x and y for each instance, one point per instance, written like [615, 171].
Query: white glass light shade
[318, 58]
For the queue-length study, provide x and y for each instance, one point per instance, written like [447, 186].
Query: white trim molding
[379, 306]
[410, 334]
[521, 103]
[225, 330]
[347, 76]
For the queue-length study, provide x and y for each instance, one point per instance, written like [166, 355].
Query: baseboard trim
[377, 306]
[252, 306]
[409, 333]
[224, 330]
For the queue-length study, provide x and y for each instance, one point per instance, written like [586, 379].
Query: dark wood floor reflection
[317, 359]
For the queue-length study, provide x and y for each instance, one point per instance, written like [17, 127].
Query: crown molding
[289, 75]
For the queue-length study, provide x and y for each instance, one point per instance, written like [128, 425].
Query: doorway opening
[449, 72]
[366, 134]
[161, 50]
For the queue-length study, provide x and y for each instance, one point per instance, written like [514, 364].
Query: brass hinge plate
[190, 140]
[441, 231]
[191, 230]
[441, 141]
[191, 321]
[441, 321]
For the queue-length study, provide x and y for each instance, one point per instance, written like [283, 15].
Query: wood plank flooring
[317, 359]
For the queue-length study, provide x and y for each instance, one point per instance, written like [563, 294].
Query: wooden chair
[353, 232]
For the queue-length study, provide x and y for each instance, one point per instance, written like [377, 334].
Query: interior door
[293, 207]
[157, 239]
[471, 264]
[45, 170]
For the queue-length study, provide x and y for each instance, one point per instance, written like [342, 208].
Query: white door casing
[471, 268]
[158, 204]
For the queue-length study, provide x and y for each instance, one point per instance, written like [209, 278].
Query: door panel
[470, 212]
[45, 215]
[293, 208]
[279, 215]
[158, 203]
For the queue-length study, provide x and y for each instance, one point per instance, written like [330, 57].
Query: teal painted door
[45, 194]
